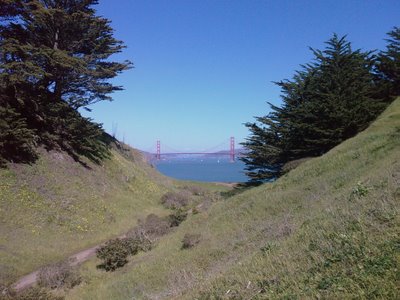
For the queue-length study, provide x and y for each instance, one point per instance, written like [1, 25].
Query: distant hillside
[328, 229]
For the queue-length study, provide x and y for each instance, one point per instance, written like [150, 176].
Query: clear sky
[202, 68]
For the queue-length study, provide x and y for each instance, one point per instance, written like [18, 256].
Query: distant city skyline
[204, 68]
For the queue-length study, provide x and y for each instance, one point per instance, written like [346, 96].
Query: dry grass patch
[59, 275]
[195, 190]
[34, 293]
[283, 227]
[154, 226]
[176, 200]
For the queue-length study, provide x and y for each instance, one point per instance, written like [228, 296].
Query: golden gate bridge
[231, 152]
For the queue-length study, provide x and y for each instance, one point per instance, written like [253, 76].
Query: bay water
[206, 169]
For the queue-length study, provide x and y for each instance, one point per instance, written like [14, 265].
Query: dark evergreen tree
[328, 101]
[54, 59]
[388, 65]
[338, 101]
[267, 146]
[17, 141]
[263, 157]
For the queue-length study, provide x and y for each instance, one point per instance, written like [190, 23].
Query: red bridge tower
[232, 149]
[158, 155]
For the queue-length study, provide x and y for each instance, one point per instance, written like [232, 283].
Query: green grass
[56, 207]
[328, 229]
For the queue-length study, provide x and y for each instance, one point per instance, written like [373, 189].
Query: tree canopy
[327, 101]
[388, 63]
[54, 60]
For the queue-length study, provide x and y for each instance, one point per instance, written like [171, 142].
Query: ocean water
[203, 169]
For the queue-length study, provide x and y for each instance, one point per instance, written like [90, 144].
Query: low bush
[136, 241]
[190, 240]
[114, 254]
[59, 275]
[177, 218]
[176, 200]
[153, 226]
[131, 245]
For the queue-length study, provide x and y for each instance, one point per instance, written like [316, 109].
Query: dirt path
[228, 184]
[76, 259]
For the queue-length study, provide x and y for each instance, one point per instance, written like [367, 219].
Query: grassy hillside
[328, 229]
[56, 207]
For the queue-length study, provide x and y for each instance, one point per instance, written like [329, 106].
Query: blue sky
[203, 68]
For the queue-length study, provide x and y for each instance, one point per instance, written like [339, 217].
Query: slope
[57, 206]
[328, 229]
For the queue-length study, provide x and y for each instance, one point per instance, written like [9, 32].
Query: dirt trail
[76, 259]
[228, 184]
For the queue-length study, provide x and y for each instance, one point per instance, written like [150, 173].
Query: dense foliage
[54, 61]
[388, 63]
[114, 254]
[17, 141]
[326, 102]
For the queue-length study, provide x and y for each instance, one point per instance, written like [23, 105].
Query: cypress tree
[268, 146]
[17, 141]
[388, 65]
[338, 101]
[328, 101]
[54, 60]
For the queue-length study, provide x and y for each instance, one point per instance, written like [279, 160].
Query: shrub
[131, 245]
[141, 237]
[114, 254]
[177, 218]
[175, 200]
[190, 240]
[59, 275]
[137, 241]
[154, 226]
